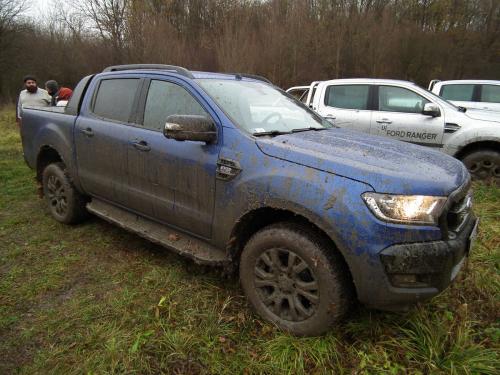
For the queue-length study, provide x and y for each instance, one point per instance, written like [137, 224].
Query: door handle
[384, 121]
[141, 146]
[88, 132]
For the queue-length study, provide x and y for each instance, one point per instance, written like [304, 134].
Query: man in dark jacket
[57, 93]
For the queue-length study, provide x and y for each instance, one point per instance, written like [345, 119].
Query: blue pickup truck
[231, 171]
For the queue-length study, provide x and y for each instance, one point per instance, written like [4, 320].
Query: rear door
[490, 97]
[174, 181]
[399, 116]
[101, 138]
[347, 106]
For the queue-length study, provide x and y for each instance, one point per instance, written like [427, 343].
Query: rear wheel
[65, 203]
[483, 165]
[293, 280]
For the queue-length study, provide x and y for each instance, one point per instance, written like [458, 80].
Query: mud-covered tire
[292, 279]
[483, 165]
[65, 203]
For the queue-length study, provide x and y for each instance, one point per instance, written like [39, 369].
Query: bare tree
[110, 20]
[10, 11]
[290, 41]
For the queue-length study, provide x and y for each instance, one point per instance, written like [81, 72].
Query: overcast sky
[43, 10]
[37, 8]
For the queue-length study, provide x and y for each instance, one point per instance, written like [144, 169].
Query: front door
[399, 116]
[175, 180]
[463, 95]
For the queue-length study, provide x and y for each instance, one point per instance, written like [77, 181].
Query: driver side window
[397, 99]
[166, 99]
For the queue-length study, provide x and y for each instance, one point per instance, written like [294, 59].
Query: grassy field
[96, 299]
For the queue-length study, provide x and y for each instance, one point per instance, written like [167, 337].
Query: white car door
[490, 97]
[399, 116]
[460, 94]
[347, 106]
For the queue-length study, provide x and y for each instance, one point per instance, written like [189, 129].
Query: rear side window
[458, 92]
[490, 93]
[115, 98]
[397, 99]
[347, 96]
[166, 99]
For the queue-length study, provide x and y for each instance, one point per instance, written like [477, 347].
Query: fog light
[411, 280]
[402, 280]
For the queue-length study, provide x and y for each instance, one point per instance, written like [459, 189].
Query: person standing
[32, 95]
[57, 93]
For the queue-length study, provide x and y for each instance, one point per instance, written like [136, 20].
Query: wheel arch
[46, 155]
[252, 221]
[476, 146]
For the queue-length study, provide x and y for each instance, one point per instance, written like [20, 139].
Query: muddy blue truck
[231, 171]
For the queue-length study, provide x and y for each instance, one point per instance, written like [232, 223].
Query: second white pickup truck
[477, 94]
[402, 110]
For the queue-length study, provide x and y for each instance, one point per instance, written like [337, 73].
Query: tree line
[289, 41]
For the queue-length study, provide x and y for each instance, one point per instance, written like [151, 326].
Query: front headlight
[408, 209]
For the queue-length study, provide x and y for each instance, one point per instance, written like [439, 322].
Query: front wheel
[293, 280]
[65, 203]
[483, 165]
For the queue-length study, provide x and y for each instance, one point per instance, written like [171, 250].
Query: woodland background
[289, 41]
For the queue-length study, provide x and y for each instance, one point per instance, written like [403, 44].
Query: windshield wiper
[307, 129]
[271, 133]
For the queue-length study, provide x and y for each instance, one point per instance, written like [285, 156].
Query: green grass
[95, 299]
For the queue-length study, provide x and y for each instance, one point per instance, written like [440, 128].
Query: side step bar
[191, 247]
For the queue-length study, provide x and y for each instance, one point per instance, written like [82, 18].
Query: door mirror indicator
[190, 128]
[431, 109]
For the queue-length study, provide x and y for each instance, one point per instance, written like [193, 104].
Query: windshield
[259, 108]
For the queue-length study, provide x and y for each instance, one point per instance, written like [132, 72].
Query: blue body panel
[318, 175]
[388, 166]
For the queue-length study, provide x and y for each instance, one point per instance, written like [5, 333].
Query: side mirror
[190, 128]
[431, 109]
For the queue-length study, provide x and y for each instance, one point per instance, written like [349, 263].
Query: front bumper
[413, 272]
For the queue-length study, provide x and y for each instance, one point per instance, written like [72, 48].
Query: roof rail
[182, 71]
[252, 76]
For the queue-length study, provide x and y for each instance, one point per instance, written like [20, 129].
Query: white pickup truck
[404, 111]
[478, 94]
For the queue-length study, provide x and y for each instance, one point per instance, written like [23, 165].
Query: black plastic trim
[476, 94]
[453, 198]
[433, 260]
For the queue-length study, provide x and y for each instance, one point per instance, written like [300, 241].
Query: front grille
[459, 212]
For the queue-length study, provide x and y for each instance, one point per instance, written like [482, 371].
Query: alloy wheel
[286, 285]
[56, 193]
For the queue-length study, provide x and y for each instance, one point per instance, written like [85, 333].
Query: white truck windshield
[261, 109]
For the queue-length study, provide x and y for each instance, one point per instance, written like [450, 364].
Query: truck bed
[42, 127]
